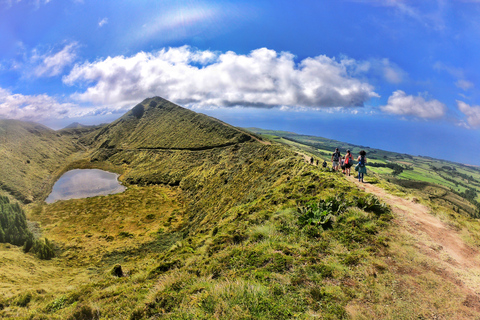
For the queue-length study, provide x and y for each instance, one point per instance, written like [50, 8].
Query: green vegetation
[31, 156]
[178, 129]
[459, 179]
[13, 223]
[14, 230]
[217, 223]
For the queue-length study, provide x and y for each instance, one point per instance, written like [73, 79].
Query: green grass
[205, 233]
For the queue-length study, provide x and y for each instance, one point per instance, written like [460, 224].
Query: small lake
[85, 183]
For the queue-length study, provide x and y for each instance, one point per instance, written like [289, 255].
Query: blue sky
[400, 75]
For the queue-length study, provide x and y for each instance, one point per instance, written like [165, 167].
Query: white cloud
[262, 78]
[38, 107]
[52, 65]
[103, 22]
[472, 113]
[402, 104]
[464, 84]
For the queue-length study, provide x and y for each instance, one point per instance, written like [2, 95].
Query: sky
[398, 75]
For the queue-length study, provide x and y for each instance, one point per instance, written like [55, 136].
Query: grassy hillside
[227, 226]
[31, 153]
[157, 123]
[458, 184]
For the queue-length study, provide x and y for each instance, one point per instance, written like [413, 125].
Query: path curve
[436, 239]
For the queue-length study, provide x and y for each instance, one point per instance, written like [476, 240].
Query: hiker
[342, 164]
[348, 162]
[335, 159]
[324, 164]
[311, 160]
[362, 165]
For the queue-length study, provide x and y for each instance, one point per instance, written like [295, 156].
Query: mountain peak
[156, 123]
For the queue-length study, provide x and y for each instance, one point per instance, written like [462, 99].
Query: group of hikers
[345, 163]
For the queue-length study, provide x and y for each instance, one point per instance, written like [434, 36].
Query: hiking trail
[458, 262]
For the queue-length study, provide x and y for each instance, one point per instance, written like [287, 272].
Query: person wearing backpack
[348, 162]
[336, 159]
[362, 165]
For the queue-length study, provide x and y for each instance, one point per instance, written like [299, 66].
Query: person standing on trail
[336, 159]
[362, 165]
[348, 162]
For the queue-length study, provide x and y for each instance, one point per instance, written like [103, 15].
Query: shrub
[371, 203]
[43, 249]
[322, 213]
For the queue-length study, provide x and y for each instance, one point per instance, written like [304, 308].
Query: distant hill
[156, 123]
[75, 125]
[29, 154]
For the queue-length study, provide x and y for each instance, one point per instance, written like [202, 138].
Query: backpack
[336, 155]
[347, 159]
[362, 161]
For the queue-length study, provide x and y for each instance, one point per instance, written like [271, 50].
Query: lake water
[84, 183]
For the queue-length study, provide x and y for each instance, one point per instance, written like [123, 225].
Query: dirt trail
[434, 238]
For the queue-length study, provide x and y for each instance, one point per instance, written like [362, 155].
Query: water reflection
[84, 183]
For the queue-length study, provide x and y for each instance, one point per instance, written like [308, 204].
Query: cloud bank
[37, 107]
[262, 78]
[400, 103]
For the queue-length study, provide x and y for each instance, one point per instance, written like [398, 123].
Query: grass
[219, 233]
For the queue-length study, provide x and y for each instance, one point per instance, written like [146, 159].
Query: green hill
[157, 123]
[30, 155]
[217, 223]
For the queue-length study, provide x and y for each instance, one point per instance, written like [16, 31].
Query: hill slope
[157, 123]
[30, 153]
[235, 229]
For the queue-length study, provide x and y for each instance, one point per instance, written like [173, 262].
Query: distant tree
[13, 222]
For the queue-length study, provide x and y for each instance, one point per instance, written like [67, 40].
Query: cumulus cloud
[402, 104]
[472, 113]
[262, 78]
[53, 65]
[38, 107]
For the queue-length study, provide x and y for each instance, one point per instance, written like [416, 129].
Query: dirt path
[434, 238]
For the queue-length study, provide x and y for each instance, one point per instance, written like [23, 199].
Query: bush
[13, 223]
[322, 213]
[43, 249]
[370, 203]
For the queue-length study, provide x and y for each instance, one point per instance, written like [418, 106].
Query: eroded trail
[434, 238]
